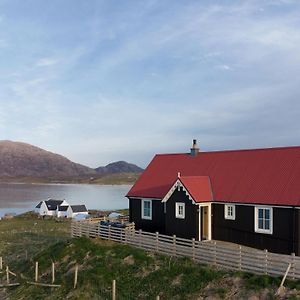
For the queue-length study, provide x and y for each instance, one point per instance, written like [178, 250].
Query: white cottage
[74, 210]
[49, 207]
[61, 211]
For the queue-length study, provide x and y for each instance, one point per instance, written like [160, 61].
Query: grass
[139, 274]
[110, 179]
[27, 235]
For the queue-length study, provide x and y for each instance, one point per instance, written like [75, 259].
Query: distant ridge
[24, 160]
[119, 167]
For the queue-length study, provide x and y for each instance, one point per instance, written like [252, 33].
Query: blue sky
[100, 81]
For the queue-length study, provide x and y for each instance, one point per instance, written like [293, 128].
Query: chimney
[194, 149]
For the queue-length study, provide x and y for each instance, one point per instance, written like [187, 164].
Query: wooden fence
[224, 255]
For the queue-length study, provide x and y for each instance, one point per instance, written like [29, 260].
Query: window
[264, 220]
[180, 210]
[229, 212]
[147, 209]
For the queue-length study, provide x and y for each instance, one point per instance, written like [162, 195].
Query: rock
[129, 260]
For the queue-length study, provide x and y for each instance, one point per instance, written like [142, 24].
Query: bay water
[19, 198]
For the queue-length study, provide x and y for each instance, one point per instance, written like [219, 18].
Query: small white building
[61, 211]
[74, 210]
[49, 207]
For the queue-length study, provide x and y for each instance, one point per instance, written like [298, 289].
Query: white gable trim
[177, 184]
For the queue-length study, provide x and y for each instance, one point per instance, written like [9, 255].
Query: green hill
[139, 274]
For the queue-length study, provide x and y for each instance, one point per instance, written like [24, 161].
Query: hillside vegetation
[24, 160]
[139, 274]
[21, 162]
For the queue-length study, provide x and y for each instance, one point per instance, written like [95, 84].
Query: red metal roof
[198, 187]
[261, 176]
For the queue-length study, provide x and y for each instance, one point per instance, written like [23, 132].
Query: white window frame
[228, 216]
[143, 206]
[261, 230]
[177, 214]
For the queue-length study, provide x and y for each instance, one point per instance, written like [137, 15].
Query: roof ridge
[233, 150]
[184, 176]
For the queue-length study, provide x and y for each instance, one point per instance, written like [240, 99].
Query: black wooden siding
[285, 237]
[187, 227]
[157, 224]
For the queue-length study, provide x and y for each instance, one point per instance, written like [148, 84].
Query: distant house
[74, 210]
[49, 207]
[61, 211]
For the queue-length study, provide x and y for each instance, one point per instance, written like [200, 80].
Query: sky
[106, 80]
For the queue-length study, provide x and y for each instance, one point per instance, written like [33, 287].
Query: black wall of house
[297, 231]
[187, 227]
[241, 230]
[157, 224]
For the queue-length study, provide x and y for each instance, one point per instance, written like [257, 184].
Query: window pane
[146, 212]
[267, 214]
[260, 224]
[147, 208]
[267, 224]
[260, 213]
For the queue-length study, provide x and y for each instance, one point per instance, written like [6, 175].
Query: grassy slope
[139, 275]
[120, 178]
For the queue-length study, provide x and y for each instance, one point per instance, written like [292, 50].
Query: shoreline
[111, 179]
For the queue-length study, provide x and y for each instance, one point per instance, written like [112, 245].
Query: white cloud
[46, 62]
[224, 67]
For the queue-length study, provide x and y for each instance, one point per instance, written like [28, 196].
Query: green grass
[139, 274]
[27, 235]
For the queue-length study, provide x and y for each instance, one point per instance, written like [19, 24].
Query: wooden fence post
[99, 229]
[240, 257]
[36, 271]
[76, 276]
[7, 274]
[156, 241]
[26, 254]
[215, 253]
[53, 272]
[157, 297]
[293, 266]
[114, 289]
[1, 263]
[266, 261]
[88, 229]
[193, 248]
[125, 235]
[174, 245]
[140, 238]
[78, 226]
[109, 233]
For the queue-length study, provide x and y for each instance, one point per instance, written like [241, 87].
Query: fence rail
[229, 256]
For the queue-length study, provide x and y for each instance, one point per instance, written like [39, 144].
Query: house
[74, 210]
[49, 207]
[61, 211]
[249, 197]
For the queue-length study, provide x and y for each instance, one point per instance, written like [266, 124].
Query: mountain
[119, 167]
[24, 160]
